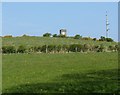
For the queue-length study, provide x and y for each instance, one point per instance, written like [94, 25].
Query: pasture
[60, 73]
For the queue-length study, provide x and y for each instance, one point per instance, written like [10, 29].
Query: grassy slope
[37, 41]
[74, 72]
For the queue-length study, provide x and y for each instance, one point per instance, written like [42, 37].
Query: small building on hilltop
[63, 32]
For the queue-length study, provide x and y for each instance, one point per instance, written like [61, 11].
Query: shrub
[101, 48]
[21, 49]
[96, 48]
[51, 48]
[86, 47]
[55, 35]
[8, 49]
[39, 48]
[44, 48]
[109, 39]
[77, 36]
[65, 48]
[111, 48]
[117, 47]
[25, 35]
[8, 36]
[35, 49]
[47, 35]
[73, 48]
[106, 39]
[79, 47]
[102, 38]
[94, 39]
[58, 48]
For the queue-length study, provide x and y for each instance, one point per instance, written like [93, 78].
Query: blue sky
[35, 19]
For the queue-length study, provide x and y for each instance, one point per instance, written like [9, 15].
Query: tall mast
[107, 24]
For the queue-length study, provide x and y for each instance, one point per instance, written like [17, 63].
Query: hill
[39, 41]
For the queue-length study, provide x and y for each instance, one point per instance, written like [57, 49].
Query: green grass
[38, 41]
[58, 73]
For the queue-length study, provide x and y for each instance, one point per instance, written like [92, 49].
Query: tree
[21, 49]
[47, 35]
[77, 36]
[55, 35]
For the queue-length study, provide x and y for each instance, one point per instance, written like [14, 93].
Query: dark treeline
[60, 48]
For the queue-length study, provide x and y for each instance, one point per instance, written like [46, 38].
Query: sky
[87, 19]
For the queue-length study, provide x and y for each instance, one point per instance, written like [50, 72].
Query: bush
[44, 48]
[65, 48]
[101, 48]
[76, 48]
[117, 47]
[112, 48]
[51, 48]
[58, 48]
[73, 48]
[21, 49]
[8, 49]
[109, 39]
[94, 39]
[102, 38]
[8, 36]
[79, 47]
[35, 49]
[39, 48]
[86, 47]
[106, 39]
[25, 35]
[96, 48]
[77, 36]
[55, 35]
[47, 35]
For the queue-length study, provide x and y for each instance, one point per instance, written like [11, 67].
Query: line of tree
[60, 48]
[102, 38]
[77, 36]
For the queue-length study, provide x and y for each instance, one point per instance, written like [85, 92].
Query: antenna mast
[107, 24]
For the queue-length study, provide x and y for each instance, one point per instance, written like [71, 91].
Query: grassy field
[60, 73]
[38, 41]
